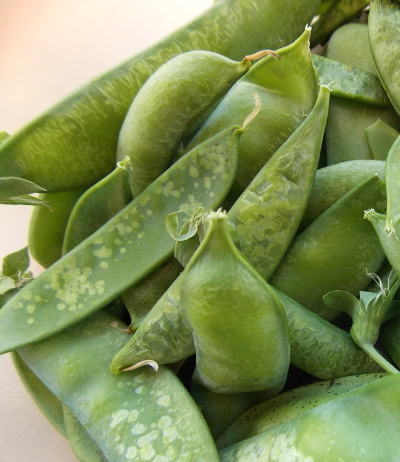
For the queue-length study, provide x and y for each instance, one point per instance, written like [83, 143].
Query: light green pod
[166, 107]
[239, 325]
[289, 405]
[383, 28]
[362, 424]
[380, 138]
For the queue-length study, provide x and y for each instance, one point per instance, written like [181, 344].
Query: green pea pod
[75, 141]
[332, 182]
[238, 323]
[47, 226]
[50, 406]
[98, 205]
[289, 405]
[189, 84]
[337, 14]
[287, 96]
[84, 447]
[334, 252]
[349, 82]
[390, 338]
[360, 423]
[139, 415]
[383, 28]
[380, 138]
[100, 268]
[17, 191]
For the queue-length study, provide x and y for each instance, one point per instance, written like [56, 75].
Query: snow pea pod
[360, 423]
[75, 141]
[380, 138]
[100, 268]
[383, 28]
[140, 415]
[288, 89]
[339, 240]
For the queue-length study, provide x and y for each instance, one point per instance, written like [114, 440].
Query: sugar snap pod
[238, 323]
[76, 139]
[141, 415]
[100, 268]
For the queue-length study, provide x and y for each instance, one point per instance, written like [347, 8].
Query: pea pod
[380, 138]
[142, 414]
[101, 268]
[75, 141]
[17, 191]
[238, 323]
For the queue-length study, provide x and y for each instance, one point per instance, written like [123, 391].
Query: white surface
[47, 49]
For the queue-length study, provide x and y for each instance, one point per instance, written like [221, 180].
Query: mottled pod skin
[238, 323]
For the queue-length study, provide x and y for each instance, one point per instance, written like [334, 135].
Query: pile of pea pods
[219, 221]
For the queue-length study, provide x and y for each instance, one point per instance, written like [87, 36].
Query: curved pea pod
[288, 90]
[98, 205]
[332, 182]
[47, 226]
[84, 447]
[338, 13]
[383, 28]
[334, 252]
[289, 405]
[380, 138]
[349, 82]
[153, 128]
[264, 220]
[362, 421]
[50, 406]
[75, 141]
[17, 191]
[139, 415]
[100, 268]
[239, 325]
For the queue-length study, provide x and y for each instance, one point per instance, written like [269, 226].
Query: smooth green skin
[380, 138]
[337, 14]
[50, 406]
[47, 226]
[335, 252]
[390, 338]
[137, 415]
[362, 424]
[288, 90]
[264, 220]
[124, 250]
[289, 405]
[383, 28]
[239, 325]
[332, 182]
[141, 297]
[349, 82]
[347, 121]
[75, 141]
[152, 130]
[97, 205]
[84, 447]
[393, 183]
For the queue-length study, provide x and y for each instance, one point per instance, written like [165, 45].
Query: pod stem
[378, 358]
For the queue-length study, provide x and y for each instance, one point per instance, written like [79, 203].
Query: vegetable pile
[219, 222]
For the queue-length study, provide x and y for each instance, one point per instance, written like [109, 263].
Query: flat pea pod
[237, 350]
[50, 406]
[349, 82]
[383, 28]
[17, 191]
[289, 405]
[100, 268]
[151, 132]
[139, 415]
[47, 226]
[334, 252]
[287, 96]
[333, 431]
[97, 205]
[75, 141]
[333, 181]
[84, 447]
[380, 138]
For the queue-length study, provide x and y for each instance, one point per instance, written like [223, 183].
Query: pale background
[47, 49]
